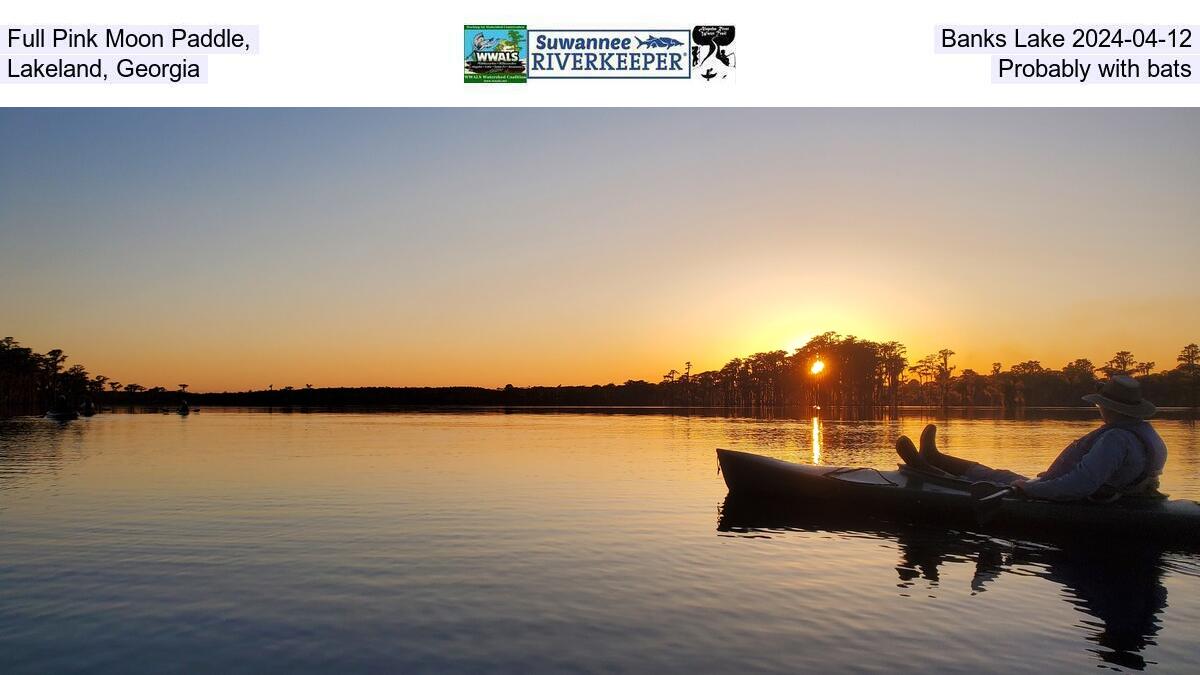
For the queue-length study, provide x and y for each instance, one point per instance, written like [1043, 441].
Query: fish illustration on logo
[664, 42]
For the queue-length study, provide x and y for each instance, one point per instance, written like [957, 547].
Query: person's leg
[948, 463]
[908, 453]
[958, 466]
[986, 474]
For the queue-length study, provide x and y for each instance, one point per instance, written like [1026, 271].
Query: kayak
[915, 496]
[62, 415]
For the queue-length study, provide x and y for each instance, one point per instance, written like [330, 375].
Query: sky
[241, 248]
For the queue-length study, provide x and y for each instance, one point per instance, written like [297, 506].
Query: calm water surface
[254, 542]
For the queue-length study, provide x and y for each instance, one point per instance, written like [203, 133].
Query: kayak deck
[914, 496]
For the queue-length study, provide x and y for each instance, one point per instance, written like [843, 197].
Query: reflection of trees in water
[34, 446]
[1118, 588]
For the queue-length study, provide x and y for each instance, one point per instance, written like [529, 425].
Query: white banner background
[357, 53]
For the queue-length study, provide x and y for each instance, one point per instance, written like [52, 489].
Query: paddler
[1125, 456]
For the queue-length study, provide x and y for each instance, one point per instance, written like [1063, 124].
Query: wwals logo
[495, 53]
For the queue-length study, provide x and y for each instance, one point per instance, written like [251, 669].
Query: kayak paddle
[987, 499]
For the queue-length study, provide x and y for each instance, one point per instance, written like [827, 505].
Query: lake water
[233, 541]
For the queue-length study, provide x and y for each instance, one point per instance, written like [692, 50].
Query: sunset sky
[233, 249]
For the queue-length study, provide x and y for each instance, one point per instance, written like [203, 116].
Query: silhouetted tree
[1189, 359]
[893, 360]
[1189, 368]
[1122, 363]
[969, 384]
[942, 373]
[1080, 377]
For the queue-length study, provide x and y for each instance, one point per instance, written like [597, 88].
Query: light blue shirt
[1113, 455]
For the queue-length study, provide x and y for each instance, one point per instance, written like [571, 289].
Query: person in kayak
[1125, 456]
[61, 406]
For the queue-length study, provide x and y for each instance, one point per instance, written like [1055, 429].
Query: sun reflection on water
[816, 440]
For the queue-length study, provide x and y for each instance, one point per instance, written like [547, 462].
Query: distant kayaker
[61, 405]
[1125, 456]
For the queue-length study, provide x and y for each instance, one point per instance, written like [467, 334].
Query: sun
[817, 367]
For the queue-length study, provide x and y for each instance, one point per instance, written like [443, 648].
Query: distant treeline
[852, 374]
[865, 375]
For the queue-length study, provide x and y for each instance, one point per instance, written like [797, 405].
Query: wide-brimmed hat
[1123, 394]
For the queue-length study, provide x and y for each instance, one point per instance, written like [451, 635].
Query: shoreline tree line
[855, 374]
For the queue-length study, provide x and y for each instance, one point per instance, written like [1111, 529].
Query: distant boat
[87, 409]
[184, 410]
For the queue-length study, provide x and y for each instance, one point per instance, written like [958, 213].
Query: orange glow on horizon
[343, 254]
